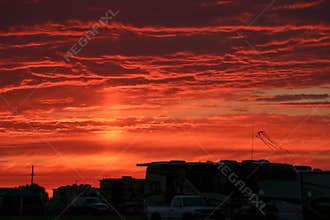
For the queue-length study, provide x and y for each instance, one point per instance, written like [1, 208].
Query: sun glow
[113, 135]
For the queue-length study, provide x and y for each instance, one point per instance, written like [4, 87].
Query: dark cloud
[296, 97]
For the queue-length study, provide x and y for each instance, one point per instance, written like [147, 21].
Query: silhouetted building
[66, 194]
[124, 193]
[24, 200]
[80, 199]
[303, 168]
[316, 194]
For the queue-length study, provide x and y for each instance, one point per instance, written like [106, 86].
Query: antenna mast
[32, 175]
[252, 143]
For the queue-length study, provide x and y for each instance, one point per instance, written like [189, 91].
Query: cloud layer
[187, 78]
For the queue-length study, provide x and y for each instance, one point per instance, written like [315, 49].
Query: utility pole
[32, 175]
[252, 142]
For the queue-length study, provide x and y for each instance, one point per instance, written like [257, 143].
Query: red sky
[163, 80]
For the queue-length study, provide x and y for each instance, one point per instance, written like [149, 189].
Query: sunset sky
[160, 80]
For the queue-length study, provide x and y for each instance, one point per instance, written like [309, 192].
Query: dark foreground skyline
[90, 88]
[249, 189]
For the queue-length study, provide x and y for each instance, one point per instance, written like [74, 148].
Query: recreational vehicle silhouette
[276, 185]
[315, 194]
